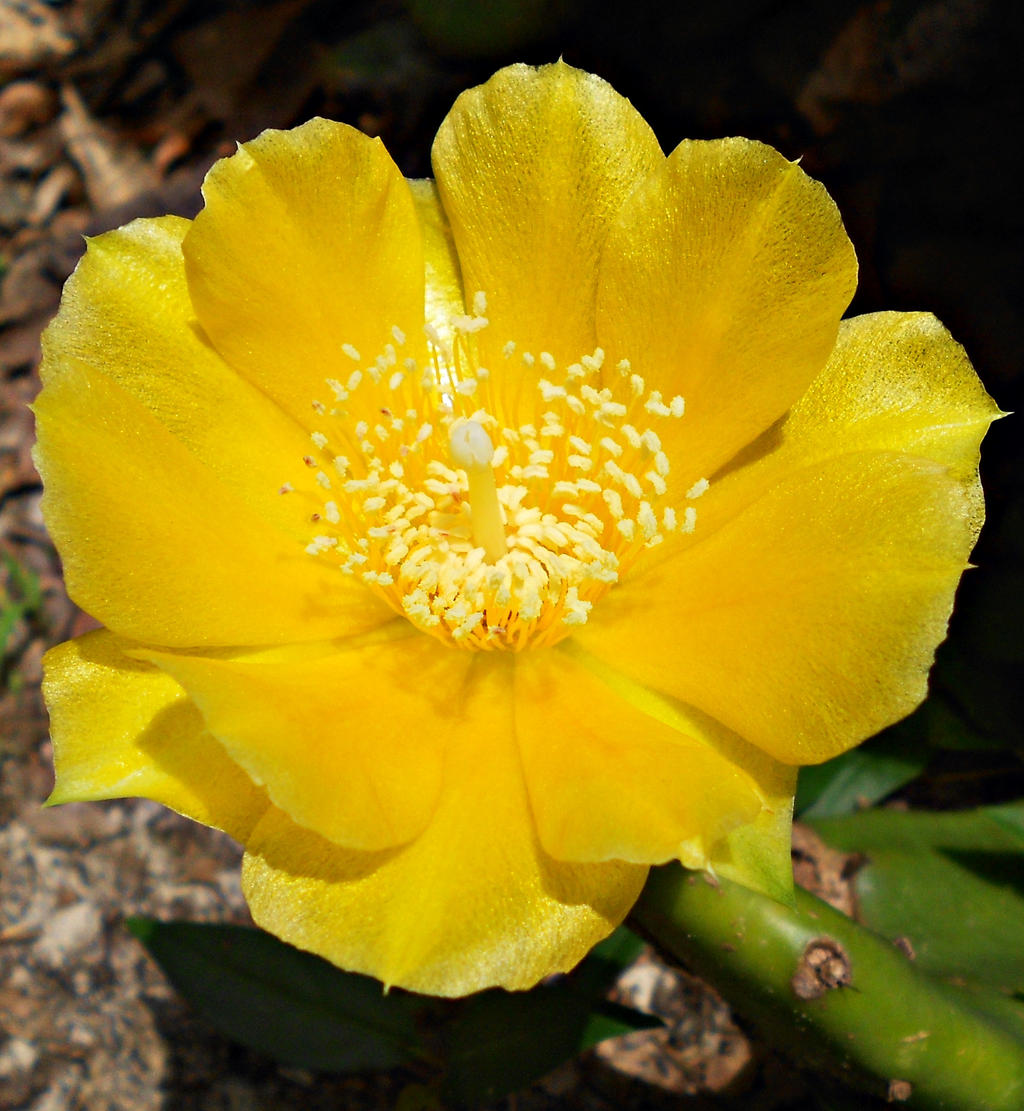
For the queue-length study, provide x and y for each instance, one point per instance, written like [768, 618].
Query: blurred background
[908, 110]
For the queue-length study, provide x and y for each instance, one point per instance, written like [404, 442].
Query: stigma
[485, 530]
[472, 451]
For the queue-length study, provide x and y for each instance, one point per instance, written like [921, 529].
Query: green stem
[906, 1035]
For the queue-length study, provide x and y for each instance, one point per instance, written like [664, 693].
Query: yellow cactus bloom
[467, 546]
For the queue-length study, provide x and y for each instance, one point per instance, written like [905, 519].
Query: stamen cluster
[582, 490]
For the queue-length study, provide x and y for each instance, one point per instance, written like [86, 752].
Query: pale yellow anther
[472, 450]
[504, 548]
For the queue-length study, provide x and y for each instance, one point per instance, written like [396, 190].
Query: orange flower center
[489, 532]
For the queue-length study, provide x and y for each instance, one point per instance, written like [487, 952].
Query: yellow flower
[460, 617]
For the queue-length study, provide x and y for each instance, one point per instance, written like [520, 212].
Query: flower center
[490, 547]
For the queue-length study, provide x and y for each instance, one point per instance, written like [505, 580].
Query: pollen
[491, 509]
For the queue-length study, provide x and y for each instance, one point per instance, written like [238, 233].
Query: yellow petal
[896, 381]
[807, 622]
[723, 281]
[614, 773]
[153, 451]
[348, 743]
[121, 728]
[308, 246]
[532, 167]
[125, 313]
[443, 292]
[757, 854]
[473, 902]
[157, 547]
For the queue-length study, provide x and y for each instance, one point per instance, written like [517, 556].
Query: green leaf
[503, 1041]
[611, 1020]
[957, 1050]
[469, 29]
[606, 960]
[862, 776]
[25, 582]
[1010, 817]
[946, 727]
[291, 1005]
[10, 614]
[303, 1011]
[951, 883]
[1006, 1011]
[21, 598]
[985, 694]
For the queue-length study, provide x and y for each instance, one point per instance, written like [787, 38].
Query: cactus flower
[467, 546]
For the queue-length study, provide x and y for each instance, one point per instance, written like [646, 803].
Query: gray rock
[68, 934]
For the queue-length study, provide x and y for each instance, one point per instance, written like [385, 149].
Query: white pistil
[472, 450]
